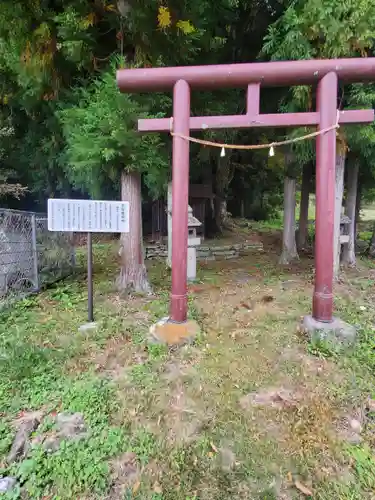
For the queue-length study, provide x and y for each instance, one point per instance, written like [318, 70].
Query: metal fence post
[73, 259]
[35, 252]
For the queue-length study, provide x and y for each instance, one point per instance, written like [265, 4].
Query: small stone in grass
[21, 442]
[355, 425]
[228, 459]
[7, 483]
[71, 425]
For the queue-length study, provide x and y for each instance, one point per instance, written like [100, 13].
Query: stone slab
[221, 248]
[156, 251]
[170, 333]
[88, 326]
[21, 441]
[201, 253]
[336, 331]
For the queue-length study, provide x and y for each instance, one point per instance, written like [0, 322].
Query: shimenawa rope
[269, 146]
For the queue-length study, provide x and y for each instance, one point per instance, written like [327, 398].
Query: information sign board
[88, 216]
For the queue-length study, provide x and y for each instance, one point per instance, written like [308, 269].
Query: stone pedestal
[192, 264]
[88, 326]
[336, 331]
[193, 240]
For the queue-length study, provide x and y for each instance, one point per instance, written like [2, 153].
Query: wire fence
[31, 257]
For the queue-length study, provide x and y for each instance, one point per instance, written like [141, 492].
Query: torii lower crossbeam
[324, 73]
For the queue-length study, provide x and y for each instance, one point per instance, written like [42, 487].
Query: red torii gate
[254, 75]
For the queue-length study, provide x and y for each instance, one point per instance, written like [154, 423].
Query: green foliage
[55, 59]
[6, 437]
[142, 375]
[323, 348]
[35, 374]
[323, 29]
[95, 398]
[364, 465]
[72, 129]
[77, 466]
[100, 132]
[203, 444]
[143, 444]
[157, 351]
[361, 140]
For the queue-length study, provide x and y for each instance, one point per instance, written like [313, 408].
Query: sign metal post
[90, 294]
[90, 216]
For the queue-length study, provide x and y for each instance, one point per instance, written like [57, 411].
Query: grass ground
[251, 410]
[368, 213]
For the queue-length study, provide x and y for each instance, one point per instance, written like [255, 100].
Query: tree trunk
[223, 177]
[339, 190]
[372, 244]
[357, 208]
[348, 256]
[221, 215]
[242, 209]
[210, 225]
[304, 207]
[289, 253]
[133, 274]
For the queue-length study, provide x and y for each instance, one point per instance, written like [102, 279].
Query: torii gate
[325, 73]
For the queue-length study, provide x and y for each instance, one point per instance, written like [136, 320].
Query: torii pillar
[324, 73]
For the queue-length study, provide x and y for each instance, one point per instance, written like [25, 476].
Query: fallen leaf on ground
[157, 488]
[289, 477]
[246, 306]
[371, 405]
[302, 488]
[136, 486]
[213, 447]
[268, 298]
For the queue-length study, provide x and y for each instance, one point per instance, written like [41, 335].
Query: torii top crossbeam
[324, 73]
[276, 73]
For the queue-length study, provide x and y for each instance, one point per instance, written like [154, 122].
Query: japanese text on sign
[88, 216]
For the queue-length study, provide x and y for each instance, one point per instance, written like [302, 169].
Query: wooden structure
[325, 73]
[200, 196]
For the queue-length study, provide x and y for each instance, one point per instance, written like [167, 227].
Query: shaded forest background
[66, 131]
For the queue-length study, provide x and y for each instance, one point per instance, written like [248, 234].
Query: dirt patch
[125, 473]
[351, 425]
[116, 355]
[309, 428]
[270, 239]
[239, 307]
[311, 365]
[133, 306]
[202, 287]
[113, 358]
[183, 419]
[28, 416]
[280, 398]
[26, 424]
[175, 370]
[227, 459]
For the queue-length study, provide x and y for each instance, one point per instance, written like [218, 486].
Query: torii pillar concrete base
[171, 333]
[336, 331]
